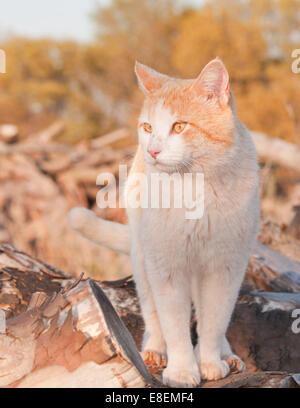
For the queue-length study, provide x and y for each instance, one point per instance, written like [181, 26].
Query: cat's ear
[149, 79]
[213, 81]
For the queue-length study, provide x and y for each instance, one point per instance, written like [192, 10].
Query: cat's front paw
[214, 370]
[153, 359]
[154, 351]
[235, 363]
[181, 377]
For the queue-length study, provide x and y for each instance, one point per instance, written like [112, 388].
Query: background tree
[93, 86]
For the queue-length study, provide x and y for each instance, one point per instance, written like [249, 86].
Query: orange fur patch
[206, 117]
[209, 136]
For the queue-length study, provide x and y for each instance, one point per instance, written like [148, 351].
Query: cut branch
[277, 151]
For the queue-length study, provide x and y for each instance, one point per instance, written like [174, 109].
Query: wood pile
[63, 332]
[40, 180]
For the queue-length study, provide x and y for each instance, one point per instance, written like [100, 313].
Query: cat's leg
[234, 361]
[196, 296]
[217, 296]
[153, 344]
[236, 364]
[173, 304]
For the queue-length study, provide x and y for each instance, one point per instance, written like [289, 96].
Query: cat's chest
[221, 218]
[171, 227]
[170, 239]
[189, 225]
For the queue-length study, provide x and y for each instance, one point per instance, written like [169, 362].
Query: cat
[188, 126]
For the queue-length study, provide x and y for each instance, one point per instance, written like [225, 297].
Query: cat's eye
[178, 127]
[147, 127]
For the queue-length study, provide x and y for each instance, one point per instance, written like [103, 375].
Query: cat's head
[185, 122]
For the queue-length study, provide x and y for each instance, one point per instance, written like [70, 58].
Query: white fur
[173, 153]
[176, 261]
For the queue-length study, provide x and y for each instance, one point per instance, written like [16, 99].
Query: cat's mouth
[168, 167]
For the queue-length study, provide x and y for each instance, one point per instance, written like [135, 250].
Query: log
[110, 138]
[272, 379]
[275, 260]
[77, 340]
[71, 337]
[277, 151]
[62, 332]
[260, 330]
[33, 148]
[49, 134]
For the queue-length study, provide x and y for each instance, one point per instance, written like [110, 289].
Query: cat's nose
[153, 152]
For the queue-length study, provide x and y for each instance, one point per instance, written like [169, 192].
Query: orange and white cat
[188, 126]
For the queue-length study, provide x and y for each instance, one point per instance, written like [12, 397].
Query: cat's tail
[112, 235]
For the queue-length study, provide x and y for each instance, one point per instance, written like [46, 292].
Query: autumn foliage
[92, 86]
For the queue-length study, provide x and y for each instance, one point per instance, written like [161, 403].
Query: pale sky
[52, 18]
[59, 19]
